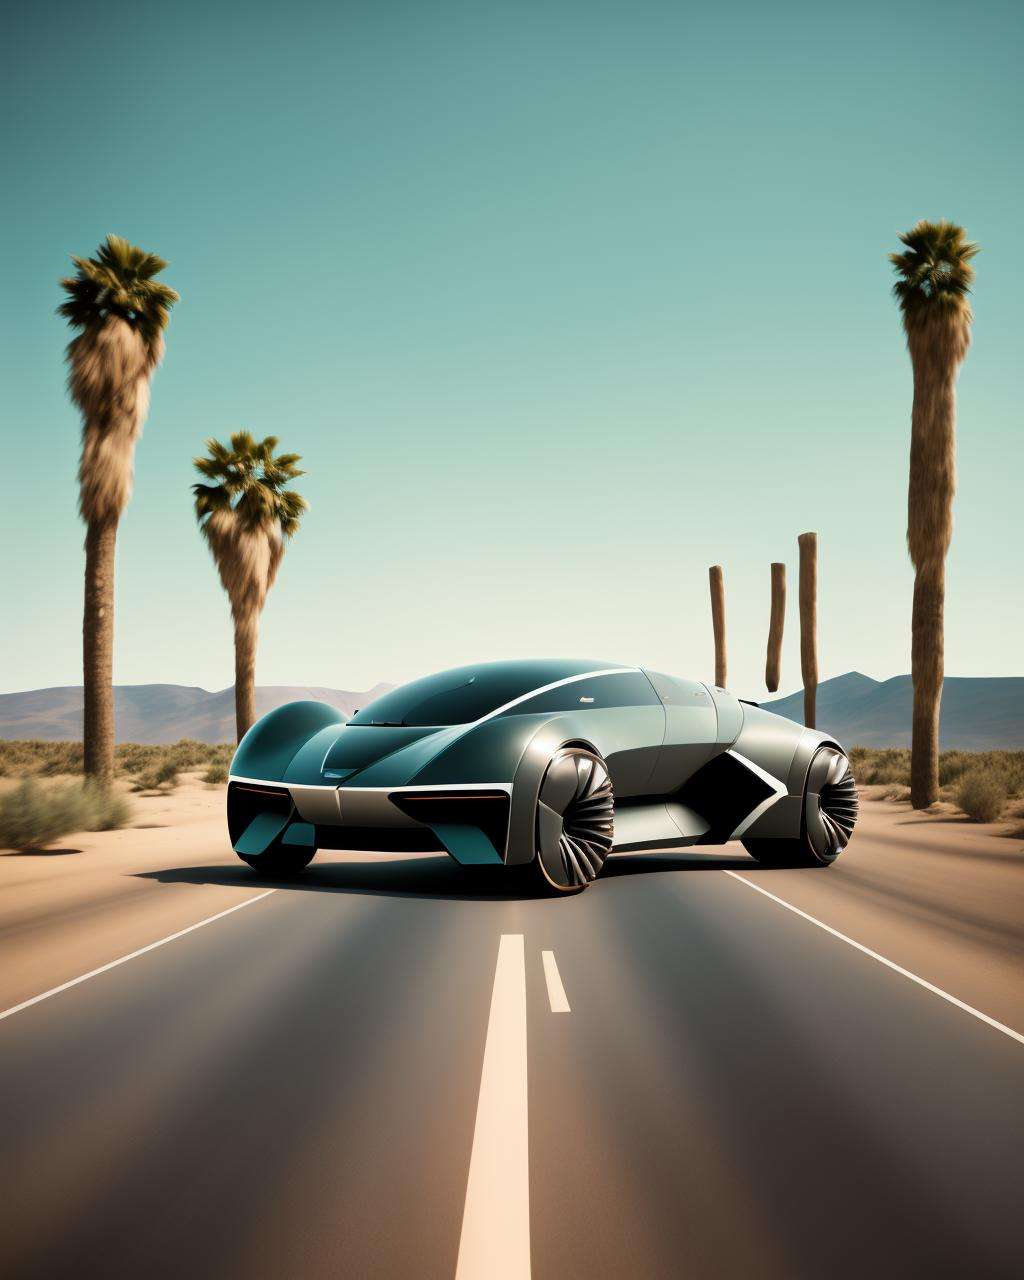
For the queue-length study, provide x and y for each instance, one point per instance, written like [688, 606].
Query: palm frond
[935, 272]
[249, 485]
[119, 282]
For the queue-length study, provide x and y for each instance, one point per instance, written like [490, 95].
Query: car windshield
[463, 694]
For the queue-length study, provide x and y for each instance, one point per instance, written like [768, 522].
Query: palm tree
[245, 514]
[121, 312]
[935, 275]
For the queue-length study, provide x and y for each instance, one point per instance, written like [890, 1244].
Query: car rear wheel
[829, 816]
[574, 822]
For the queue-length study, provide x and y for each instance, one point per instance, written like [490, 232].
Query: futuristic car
[543, 767]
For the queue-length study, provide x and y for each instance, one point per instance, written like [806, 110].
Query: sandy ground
[934, 892]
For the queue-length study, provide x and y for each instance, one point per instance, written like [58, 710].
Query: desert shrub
[33, 816]
[107, 808]
[161, 775]
[982, 793]
[216, 772]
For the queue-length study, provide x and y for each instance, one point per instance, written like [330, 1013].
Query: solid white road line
[556, 992]
[495, 1243]
[93, 973]
[890, 964]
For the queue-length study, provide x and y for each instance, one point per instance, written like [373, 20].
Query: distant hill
[156, 712]
[978, 713]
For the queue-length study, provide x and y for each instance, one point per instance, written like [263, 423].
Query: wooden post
[773, 666]
[718, 621]
[809, 624]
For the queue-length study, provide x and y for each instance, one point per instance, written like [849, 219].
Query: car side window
[628, 689]
[678, 693]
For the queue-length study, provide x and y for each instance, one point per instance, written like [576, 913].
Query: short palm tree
[245, 513]
[121, 312]
[935, 276]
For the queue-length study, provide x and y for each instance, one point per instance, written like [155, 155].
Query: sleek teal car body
[545, 765]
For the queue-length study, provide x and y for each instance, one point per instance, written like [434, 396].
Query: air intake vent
[247, 800]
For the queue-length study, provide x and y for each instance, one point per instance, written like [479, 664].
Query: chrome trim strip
[778, 787]
[426, 786]
[421, 786]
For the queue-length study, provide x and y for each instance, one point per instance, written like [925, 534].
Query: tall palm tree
[245, 514]
[935, 276]
[121, 312]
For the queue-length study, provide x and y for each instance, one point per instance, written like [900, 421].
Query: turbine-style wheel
[574, 823]
[829, 816]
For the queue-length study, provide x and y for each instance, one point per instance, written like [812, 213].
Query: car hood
[353, 754]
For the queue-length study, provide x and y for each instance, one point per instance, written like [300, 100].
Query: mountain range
[155, 713]
[978, 713]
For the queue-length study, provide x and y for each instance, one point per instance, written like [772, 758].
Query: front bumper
[469, 820]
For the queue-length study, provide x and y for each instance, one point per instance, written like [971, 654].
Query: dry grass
[34, 758]
[881, 765]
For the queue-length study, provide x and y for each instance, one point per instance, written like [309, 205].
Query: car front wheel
[574, 822]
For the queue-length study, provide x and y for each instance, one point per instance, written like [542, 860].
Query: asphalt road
[341, 1078]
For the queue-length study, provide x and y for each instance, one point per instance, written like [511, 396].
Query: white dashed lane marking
[556, 992]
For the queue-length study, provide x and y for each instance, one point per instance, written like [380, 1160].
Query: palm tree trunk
[246, 636]
[808, 543]
[773, 666]
[717, 582]
[929, 530]
[927, 663]
[98, 651]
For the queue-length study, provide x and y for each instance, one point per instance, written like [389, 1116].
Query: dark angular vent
[247, 800]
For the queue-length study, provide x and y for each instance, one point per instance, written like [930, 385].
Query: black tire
[280, 861]
[829, 815]
[573, 825]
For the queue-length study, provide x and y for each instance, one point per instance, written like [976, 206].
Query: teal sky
[560, 302]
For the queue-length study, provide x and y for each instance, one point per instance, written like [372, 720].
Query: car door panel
[691, 732]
